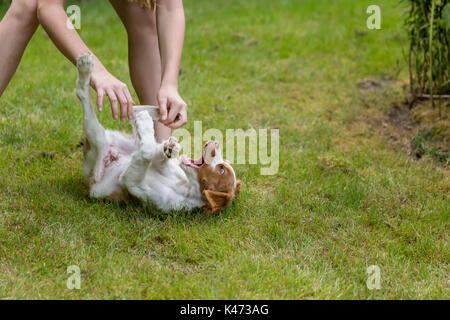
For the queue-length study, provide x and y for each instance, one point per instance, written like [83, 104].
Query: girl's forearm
[53, 18]
[171, 29]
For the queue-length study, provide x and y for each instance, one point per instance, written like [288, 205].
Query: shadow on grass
[75, 187]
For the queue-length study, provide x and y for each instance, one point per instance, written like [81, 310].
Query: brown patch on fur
[91, 181]
[86, 146]
[212, 179]
[121, 196]
[216, 201]
[237, 191]
[218, 189]
[112, 156]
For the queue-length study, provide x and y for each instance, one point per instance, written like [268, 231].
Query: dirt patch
[401, 117]
[374, 84]
[419, 131]
[397, 126]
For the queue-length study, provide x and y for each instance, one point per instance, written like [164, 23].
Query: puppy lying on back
[119, 167]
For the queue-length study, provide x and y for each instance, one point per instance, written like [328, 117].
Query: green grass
[343, 199]
[421, 144]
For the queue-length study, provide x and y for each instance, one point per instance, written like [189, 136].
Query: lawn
[344, 197]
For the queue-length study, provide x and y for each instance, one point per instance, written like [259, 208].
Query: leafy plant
[422, 145]
[428, 23]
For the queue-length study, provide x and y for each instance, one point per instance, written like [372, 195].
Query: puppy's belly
[114, 159]
[109, 187]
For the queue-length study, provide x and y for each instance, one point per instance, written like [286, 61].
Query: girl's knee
[29, 6]
[25, 11]
[140, 20]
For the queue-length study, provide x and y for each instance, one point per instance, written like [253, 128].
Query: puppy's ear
[216, 201]
[238, 188]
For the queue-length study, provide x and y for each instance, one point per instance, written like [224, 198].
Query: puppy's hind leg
[95, 133]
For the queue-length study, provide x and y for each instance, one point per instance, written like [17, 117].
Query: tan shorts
[145, 3]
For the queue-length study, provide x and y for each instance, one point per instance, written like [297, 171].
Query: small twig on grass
[435, 96]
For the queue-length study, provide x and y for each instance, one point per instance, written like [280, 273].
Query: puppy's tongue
[194, 163]
[197, 162]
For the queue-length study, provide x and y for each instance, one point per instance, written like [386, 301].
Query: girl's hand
[52, 16]
[173, 109]
[106, 84]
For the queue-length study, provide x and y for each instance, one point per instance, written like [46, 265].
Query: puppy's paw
[144, 127]
[85, 64]
[171, 148]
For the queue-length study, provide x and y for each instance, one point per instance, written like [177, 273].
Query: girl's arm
[171, 28]
[53, 18]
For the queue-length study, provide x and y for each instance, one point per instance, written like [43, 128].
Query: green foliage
[428, 23]
[422, 145]
[446, 16]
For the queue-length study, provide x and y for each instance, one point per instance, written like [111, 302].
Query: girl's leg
[16, 29]
[143, 55]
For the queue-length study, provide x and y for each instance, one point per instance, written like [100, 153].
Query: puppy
[120, 167]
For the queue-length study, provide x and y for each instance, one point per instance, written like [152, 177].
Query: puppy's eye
[222, 169]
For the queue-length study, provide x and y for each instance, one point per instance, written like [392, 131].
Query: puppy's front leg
[133, 176]
[155, 152]
[149, 153]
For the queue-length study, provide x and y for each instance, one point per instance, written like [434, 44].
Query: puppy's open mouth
[194, 163]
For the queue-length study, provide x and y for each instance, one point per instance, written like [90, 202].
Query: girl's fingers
[163, 109]
[180, 121]
[123, 104]
[173, 112]
[113, 100]
[100, 94]
[130, 103]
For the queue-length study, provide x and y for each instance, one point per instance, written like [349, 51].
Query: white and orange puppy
[120, 167]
